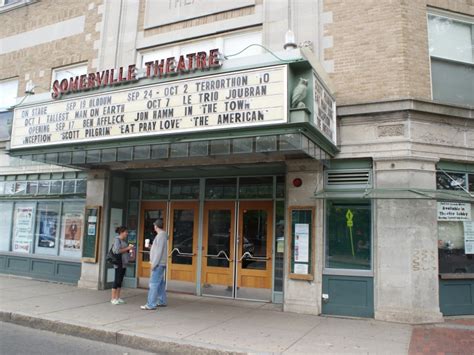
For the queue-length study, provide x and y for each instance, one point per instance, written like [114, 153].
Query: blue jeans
[157, 291]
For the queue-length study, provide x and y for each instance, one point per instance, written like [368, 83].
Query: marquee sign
[231, 100]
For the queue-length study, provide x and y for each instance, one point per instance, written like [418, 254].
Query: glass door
[182, 247]
[254, 251]
[218, 249]
[150, 212]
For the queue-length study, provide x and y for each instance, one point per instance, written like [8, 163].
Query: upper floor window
[9, 93]
[228, 44]
[451, 47]
[68, 72]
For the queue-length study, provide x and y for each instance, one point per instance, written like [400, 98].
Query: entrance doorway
[237, 251]
[150, 212]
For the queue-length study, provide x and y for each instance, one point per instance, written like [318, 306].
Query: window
[452, 58]
[69, 71]
[229, 44]
[6, 210]
[23, 230]
[72, 224]
[348, 235]
[47, 228]
[9, 93]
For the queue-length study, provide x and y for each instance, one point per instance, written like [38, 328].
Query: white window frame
[81, 70]
[13, 98]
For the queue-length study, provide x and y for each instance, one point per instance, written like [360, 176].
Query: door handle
[180, 254]
[218, 255]
[247, 255]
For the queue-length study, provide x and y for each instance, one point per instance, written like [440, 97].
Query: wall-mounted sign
[232, 100]
[324, 110]
[158, 13]
[454, 211]
[468, 237]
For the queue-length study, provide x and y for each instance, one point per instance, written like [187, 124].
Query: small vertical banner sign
[469, 237]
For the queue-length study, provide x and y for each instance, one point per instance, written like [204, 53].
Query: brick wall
[36, 62]
[380, 48]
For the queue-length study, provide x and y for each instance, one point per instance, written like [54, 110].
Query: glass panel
[47, 228]
[124, 153]
[221, 188]
[349, 242]
[72, 222]
[10, 187]
[255, 239]
[280, 187]
[55, 187]
[109, 154]
[183, 235]
[185, 189]
[198, 149]
[256, 187]
[141, 152]
[179, 150]
[64, 158]
[134, 190]
[23, 230]
[6, 211]
[69, 186]
[43, 187]
[31, 187]
[93, 156]
[450, 39]
[279, 245]
[455, 181]
[159, 151]
[452, 255]
[151, 215]
[81, 186]
[471, 182]
[242, 145]
[218, 238]
[2, 188]
[452, 82]
[266, 144]
[155, 190]
[20, 188]
[220, 147]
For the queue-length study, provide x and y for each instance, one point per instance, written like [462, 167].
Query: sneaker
[147, 308]
[114, 302]
[121, 301]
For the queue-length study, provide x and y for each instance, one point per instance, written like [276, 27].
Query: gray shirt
[158, 250]
[120, 244]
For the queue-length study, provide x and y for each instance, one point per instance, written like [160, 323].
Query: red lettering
[64, 85]
[158, 68]
[120, 76]
[56, 93]
[170, 66]
[190, 57]
[82, 81]
[214, 58]
[148, 66]
[131, 74]
[181, 64]
[201, 62]
[91, 80]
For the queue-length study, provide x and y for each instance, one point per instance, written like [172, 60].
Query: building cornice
[406, 105]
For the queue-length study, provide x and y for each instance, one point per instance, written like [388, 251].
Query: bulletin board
[91, 234]
[301, 233]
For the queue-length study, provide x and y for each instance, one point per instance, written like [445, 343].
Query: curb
[163, 345]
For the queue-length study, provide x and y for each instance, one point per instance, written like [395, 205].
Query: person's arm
[117, 249]
[154, 254]
[160, 242]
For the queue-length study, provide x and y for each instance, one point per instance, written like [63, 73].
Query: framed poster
[92, 222]
[301, 256]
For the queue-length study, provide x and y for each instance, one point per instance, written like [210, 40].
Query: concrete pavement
[192, 324]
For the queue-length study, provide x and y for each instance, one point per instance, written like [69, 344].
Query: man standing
[158, 257]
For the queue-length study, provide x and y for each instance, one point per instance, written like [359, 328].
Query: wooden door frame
[222, 205]
[268, 272]
[180, 267]
[147, 205]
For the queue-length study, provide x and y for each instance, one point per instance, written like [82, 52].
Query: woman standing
[120, 247]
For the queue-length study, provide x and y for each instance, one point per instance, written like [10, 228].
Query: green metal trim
[457, 167]
[456, 297]
[342, 164]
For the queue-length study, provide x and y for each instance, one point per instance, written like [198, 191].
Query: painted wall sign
[324, 110]
[454, 211]
[240, 99]
[163, 12]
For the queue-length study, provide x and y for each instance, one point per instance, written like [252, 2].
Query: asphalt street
[17, 340]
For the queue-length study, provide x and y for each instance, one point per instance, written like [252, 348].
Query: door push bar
[217, 256]
[179, 253]
[247, 255]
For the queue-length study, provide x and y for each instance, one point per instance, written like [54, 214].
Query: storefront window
[155, 190]
[450, 181]
[72, 224]
[279, 245]
[23, 230]
[349, 242]
[47, 228]
[221, 188]
[185, 189]
[6, 211]
[256, 187]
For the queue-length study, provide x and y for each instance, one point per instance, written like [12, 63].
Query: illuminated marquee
[232, 100]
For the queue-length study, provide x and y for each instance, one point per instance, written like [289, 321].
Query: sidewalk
[193, 324]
